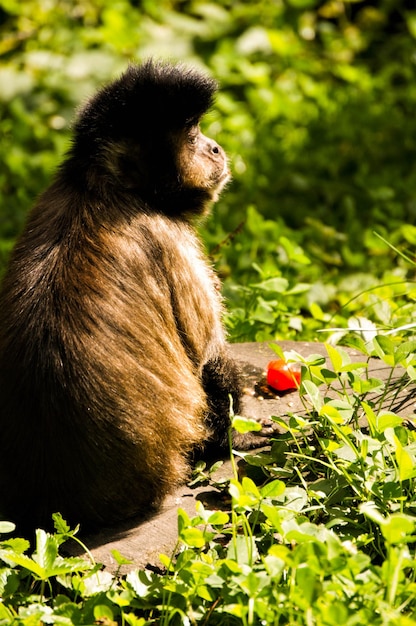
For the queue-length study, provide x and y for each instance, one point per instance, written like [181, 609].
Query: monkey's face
[201, 162]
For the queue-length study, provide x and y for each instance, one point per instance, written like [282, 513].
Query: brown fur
[113, 364]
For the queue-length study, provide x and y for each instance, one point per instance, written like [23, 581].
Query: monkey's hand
[256, 439]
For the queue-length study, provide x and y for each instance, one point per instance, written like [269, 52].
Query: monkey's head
[141, 134]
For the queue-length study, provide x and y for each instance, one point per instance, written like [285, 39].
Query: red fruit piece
[282, 375]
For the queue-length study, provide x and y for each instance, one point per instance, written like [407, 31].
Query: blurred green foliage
[316, 111]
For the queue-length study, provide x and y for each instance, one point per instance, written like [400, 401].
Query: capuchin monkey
[113, 362]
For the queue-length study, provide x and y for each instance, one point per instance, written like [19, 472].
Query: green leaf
[245, 425]
[103, 611]
[245, 495]
[167, 564]
[278, 350]
[183, 520]
[337, 358]
[384, 349]
[15, 544]
[364, 385]
[265, 311]
[387, 420]
[398, 528]
[302, 533]
[120, 559]
[298, 289]
[406, 464]
[249, 486]
[315, 360]
[411, 371]
[403, 351]
[273, 285]
[24, 561]
[242, 549]
[261, 459]
[313, 393]
[218, 518]
[46, 549]
[6, 615]
[308, 581]
[193, 537]
[273, 514]
[61, 526]
[370, 510]
[407, 467]
[273, 489]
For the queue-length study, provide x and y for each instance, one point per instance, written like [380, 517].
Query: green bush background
[316, 111]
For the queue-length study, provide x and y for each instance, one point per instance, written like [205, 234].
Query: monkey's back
[104, 328]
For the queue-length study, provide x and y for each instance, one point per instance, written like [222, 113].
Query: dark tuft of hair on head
[156, 95]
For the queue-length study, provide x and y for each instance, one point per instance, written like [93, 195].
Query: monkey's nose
[214, 148]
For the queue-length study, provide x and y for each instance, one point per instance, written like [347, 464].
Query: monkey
[114, 367]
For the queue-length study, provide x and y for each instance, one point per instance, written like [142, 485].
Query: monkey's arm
[221, 380]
